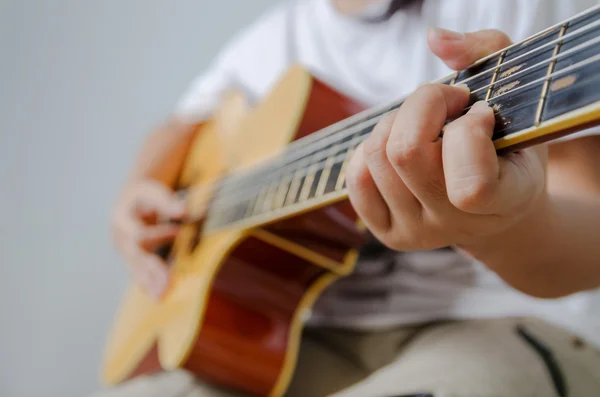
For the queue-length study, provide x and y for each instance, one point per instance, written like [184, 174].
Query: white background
[81, 83]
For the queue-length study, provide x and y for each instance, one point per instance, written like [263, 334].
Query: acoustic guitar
[272, 225]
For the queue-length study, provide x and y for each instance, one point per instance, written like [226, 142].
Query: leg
[331, 360]
[485, 358]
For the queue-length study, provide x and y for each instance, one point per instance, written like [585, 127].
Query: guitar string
[291, 155]
[320, 166]
[294, 167]
[544, 64]
[248, 174]
[372, 111]
[327, 131]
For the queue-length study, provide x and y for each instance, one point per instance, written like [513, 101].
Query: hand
[416, 191]
[138, 233]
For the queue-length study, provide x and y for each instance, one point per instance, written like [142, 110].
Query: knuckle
[396, 239]
[407, 233]
[390, 236]
[472, 193]
[429, 92]
[357, 176]
[401, 150]
[499, 38]
[372, 146]
[390, 241]
[469, 123]
[393, 235]
[138, 236]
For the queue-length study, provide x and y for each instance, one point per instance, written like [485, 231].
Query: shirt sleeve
[204, 93]
[249, 61]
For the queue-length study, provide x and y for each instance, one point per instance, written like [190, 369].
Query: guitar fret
[581, 87]
[342, 177]
[294, 186]
[239, 211]
[308, 181]
[334, 174]
[454, 78]
[309, 177]
[495, 76]
[478, 78]
[300, 187]
[259, 201]
[517, 111]
[250, 208]
[521, 84]
[551, 67]
[270, 196]
[282, 192]
[326, 171]
[315, 184]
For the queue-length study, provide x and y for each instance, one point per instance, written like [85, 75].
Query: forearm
[163, 153]
[554, 252]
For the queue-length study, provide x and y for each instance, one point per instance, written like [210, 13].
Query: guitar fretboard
[529, 83]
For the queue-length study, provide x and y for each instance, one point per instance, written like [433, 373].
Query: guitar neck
[541, 89]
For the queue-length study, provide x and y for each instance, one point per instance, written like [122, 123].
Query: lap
[486, 359]
[483, 358]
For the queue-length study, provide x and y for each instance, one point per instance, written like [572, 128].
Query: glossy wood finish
[245, 333]
[330, 231]
[255, 296]
[235, 311]
[325, 107]
[148, 365]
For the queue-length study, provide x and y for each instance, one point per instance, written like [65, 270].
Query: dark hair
[395, 6]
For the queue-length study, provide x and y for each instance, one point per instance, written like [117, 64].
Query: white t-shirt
[377, 63]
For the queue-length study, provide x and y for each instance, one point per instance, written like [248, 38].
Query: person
[415, 318]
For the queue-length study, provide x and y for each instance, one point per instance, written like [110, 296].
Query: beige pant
[483, 358]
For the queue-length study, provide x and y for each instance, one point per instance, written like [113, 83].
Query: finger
[151, 273]
[477, 180]
[470, 161]
[402, 203]
[126, 228]
[460, 50]
[414, 148]
[153, 237]
[143, 279]
[159, 274]
[364, 195]
[158, 200]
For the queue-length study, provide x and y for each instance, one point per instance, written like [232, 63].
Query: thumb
[158, 200]
[460, 50]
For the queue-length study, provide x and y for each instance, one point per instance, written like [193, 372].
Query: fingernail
[480, 106]
[445, 34]
[463, 86]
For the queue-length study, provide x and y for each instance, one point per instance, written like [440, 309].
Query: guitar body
[235, 309]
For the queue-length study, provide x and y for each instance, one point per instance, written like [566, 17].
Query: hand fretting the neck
[541, 88]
